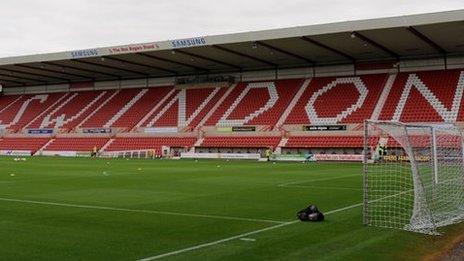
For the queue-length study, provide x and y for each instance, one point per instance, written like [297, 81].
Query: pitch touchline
[140, 211]
[239, 236]
[255, 232]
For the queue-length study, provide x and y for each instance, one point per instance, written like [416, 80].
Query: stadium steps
[46, 120]
[286, 90]
[184, 107]
[110, 109]
[42, 98]
[164, 110]
[68, 116]
[46, 110]
[281, 144]
[216, 106]
[154, 109]
[193, 121]
[79, 144]
[355, 98]
[126, 107]
[11, 104]
[383, 97]
[39, 151]
[316, 119]
[7, 114]
[136, 112]
[199, 142]
[427, 96]
[97, 109]
[248, 100]
[60, 121]
[85, 109]
[107, 144]
[292, 104]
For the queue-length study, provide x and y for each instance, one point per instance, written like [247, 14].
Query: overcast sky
[41, 26]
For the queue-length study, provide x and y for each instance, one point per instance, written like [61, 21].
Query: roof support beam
[244, 55]
[208, 59]
[11, 81]
[52, 71]
[154, 57]
[82, 69]
[110, 67]
[375, 44]
[141, 64]
[427, 40]
[277, 49]
[34, 74]
[20, 78]
[321, 45]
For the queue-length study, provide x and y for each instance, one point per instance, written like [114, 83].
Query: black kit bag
[311, 213]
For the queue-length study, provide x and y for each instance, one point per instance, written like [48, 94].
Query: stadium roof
[396, 38]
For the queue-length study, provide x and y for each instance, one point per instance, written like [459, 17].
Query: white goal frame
[413, 175]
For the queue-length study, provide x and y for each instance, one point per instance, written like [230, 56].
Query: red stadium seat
[334, 96]
[241, 142]
[430, 99]
[429, 96]
[75, 144]
[150, 143]
[31, 144]
[72, 110]
[325, 142]
[250, 103]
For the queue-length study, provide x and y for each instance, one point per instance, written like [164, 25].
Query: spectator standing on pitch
[94, 152]
[268, 154]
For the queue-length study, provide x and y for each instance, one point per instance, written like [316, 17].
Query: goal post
[413, 175]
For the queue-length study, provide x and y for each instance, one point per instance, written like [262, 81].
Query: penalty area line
[140, 211]
[239, 236]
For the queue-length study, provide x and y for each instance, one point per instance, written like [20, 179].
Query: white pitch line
[141, 211]
[258, 231]
[215, 242]
[248, 239]
[239, 236]
[314, 180]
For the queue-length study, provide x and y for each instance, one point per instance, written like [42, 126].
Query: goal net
[413, 176]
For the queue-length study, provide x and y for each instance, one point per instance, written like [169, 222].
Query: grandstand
[305, 94]
[304, 89]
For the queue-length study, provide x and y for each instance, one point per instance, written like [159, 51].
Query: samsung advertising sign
[84, 53]
[190, 42]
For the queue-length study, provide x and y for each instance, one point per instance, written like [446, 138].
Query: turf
[85, 209]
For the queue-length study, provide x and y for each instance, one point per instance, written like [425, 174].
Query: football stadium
[338, 141]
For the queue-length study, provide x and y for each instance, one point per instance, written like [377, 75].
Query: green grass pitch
[85, 209]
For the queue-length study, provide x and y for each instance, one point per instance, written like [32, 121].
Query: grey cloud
[39, 26]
